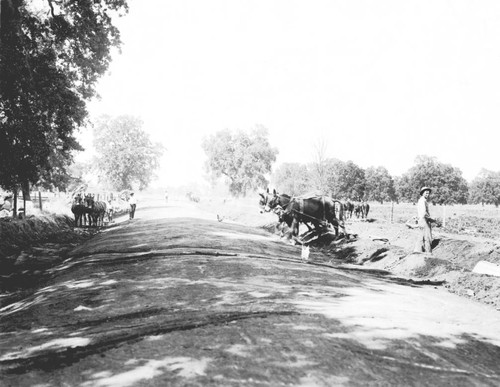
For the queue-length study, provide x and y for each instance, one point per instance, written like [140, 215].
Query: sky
[375, 82]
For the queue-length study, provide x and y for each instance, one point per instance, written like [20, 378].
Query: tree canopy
[243, 158]
[485, 188]
[345, 179]
[379, 185]
[447, 184]
[292, 179]
[51, 55]
[125, 154]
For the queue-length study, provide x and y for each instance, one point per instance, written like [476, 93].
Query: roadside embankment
[34, 244]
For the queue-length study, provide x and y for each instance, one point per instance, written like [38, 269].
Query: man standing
[424, 242]
[133, 204]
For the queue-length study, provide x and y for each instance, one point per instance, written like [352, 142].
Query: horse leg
[335, 225]
[295, 227]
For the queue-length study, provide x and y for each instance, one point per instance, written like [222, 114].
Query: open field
[475, 220]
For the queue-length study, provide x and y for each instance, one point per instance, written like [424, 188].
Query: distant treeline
[346, 180]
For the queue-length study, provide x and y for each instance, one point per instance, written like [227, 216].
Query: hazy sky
[379, 82]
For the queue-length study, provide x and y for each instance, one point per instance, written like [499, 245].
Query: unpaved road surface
[176, 298]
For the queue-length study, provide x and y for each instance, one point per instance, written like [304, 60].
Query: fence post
[392, 211]
[40, 200]
[444, 215]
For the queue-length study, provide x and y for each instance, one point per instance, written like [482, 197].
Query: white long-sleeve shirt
[423, 210]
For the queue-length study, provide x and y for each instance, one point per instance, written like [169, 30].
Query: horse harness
[301, 210]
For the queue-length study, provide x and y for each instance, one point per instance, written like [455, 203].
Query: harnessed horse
[97, 210]
[79, 209]
[362, 209]
[277, 204]
[318, 210]
[365, 209]
[348, 209]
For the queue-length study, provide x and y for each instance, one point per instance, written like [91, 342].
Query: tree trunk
[14, 209]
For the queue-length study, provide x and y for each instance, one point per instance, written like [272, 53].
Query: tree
[125, 154]
[242, 158]
[292, 179]
[404, 189]
[51, 55]
[379, 185]
[319, 168]
[345, 179]
[447, 184]
[485, 188]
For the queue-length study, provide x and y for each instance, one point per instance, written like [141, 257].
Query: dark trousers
[132, 210]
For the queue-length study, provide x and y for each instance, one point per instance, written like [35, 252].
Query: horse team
[89, 211]
[360, 209]
[315, 211]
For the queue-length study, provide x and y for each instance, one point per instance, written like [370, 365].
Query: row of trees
[246, 161]
[52, 54]
[349, 181]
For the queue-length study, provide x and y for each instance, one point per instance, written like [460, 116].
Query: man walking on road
[424, 243]
[133, 204]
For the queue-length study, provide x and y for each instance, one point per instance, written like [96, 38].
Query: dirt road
[177, 298]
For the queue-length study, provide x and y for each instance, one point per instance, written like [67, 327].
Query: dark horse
[348, 209]
[365, 209]
[80, 210]
[318, 210]
[277, 204]
[362, 209]
[272, 202]
[97, 210]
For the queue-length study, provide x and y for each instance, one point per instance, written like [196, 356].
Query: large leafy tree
[243, 158]
[404, 189]
[292, 178]
[346, 179]
[485, 188]
[447, 184]
[125, 154]
[51, 55]
[379, 185]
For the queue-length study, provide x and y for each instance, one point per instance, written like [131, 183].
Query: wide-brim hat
[423, 189]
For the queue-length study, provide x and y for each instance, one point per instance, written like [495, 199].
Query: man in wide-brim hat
[424, 242]
[423, 189]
